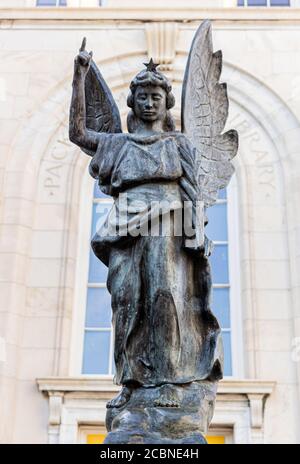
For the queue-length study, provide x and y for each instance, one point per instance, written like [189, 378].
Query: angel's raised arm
[93, 109]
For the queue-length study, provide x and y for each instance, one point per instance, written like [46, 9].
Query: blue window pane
[241, 2]
[100, 212]
[219, 264]
[280, 2]
[97, 270]
[216, 228]
[96, 353]
[222, 194]
[227, 353]
[220, 306]
[98, 193]
[98, 309]
[257, 2]
[51, 3]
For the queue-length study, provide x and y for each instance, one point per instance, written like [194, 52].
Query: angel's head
[150, 99]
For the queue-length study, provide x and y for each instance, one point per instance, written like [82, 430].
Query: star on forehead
[151, 66]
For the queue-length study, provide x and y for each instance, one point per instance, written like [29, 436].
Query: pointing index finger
[82, 48]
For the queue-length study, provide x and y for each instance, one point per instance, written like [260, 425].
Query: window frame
[98, 285]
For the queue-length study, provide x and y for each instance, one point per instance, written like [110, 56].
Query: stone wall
[41, 182]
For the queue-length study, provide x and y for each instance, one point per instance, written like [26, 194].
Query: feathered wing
[102, 113]
[204, 112]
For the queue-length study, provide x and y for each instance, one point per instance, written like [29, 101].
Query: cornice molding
[148, 14]
[77, 400]
[105, 384]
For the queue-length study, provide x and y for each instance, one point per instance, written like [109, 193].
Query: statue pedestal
[168, 414]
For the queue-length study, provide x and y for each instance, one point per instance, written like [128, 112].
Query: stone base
[169, 414]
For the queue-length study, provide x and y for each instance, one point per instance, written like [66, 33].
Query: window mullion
[96, 285]
[97, 329]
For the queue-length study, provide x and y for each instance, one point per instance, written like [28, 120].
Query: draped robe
[164, 330]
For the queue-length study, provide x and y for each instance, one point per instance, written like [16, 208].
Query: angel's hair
[144, 79]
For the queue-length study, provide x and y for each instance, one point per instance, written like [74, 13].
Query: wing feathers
[102, 114]
[204, 113]
[215, 70]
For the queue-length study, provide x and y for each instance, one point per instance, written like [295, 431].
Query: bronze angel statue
[167, 342]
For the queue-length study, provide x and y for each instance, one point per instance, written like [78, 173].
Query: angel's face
[150, 103]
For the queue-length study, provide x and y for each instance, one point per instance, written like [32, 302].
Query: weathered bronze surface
[167, 342]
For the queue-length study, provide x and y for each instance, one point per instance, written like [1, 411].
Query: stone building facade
[46, 198]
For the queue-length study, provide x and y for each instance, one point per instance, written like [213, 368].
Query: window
[51, 3]
[217, 230]
[98, 340]
[264, 3]
[98, 349]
